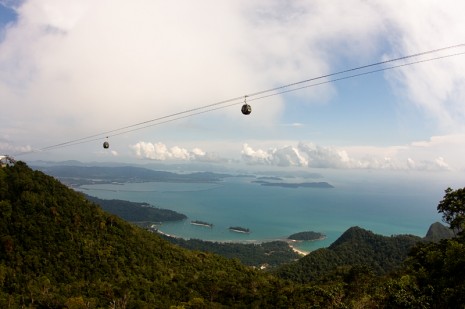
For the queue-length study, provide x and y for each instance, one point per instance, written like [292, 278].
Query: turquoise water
[384, 206]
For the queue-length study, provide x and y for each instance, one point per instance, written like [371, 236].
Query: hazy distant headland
[79, 175]
[88, 175]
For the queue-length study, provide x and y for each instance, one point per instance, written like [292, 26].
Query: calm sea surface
[385, 207]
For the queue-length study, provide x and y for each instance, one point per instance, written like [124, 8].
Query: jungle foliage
[356, 246]
[268, 254]
[59, 250]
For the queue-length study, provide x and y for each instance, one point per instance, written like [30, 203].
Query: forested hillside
[59, 250]
[356, 246]
[265, 255]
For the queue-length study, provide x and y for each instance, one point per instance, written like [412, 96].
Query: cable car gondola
[106, 145]
[246, 108]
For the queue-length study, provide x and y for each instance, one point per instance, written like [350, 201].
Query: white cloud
[75, 68]
[252, 156]
[319, 156]
[160, 152]
[316, 156]
[437, 87]
[8, 148]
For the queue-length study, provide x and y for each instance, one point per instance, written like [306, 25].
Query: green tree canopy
[452, 208]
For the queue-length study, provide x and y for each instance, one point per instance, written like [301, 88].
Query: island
[307, 235]
[321, 185]
[201, 223]
[239, 229]
[270, 178]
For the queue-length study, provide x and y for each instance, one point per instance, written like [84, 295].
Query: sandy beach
[298, 251]
[291, 243]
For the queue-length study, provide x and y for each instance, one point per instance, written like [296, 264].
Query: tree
[452, 208]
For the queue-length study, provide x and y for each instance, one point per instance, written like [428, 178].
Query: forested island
[322, 185]
[201, 223]
[307, 235]
[239, 229]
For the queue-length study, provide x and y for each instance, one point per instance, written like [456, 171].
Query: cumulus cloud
[8, 148]
[316, 156]
[259, 156]
[303, 155]
[75, 68]
[72, 68]
[161, 152]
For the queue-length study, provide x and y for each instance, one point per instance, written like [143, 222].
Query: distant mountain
[356, 246]
[437, 232]
[79, 175]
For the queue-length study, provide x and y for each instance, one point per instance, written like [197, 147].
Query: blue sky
[75, 69]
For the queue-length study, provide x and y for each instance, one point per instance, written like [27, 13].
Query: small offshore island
[202, 223]
[239, 229]
[321, 185]
[307, 236]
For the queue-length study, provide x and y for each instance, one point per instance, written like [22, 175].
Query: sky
[70, 70]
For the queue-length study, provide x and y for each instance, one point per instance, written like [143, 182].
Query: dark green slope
[356, 247]
[58, 249]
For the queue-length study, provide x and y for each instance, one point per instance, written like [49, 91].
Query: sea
[384, 203]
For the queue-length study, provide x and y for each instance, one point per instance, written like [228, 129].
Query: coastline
[298, 251]
[291, 243]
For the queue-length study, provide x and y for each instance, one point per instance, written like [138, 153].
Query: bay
[386, 207]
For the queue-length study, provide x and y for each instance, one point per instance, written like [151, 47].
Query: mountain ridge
[356, 246]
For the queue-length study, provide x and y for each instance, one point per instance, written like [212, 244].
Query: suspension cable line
[252, 97]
